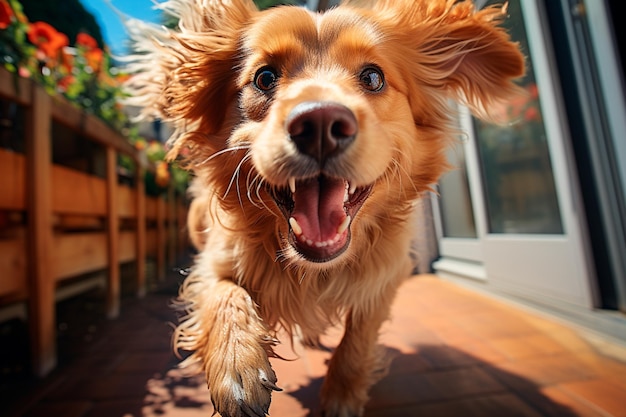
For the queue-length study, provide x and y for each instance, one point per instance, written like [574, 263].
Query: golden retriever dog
[310, 136]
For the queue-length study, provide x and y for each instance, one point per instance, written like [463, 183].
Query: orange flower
[46, 38]
[86, 40]
[6, 14]
[65, 82]
[162, 174]
[140, 144]
[67, 61]
[94, 58]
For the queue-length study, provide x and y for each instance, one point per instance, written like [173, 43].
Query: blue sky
[110, 23]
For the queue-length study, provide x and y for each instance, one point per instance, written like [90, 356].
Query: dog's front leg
[233, 344]
[357, 363]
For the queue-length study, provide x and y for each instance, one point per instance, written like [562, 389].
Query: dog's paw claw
[268, 383]
[248, 393]
[272, 386]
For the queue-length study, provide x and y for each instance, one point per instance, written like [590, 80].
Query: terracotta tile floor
[456, 353]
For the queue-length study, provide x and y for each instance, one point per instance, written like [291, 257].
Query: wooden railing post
[161, 237]
[141, 230]
[182, 225]
[113, 234]
[171, 226]
[42, 316]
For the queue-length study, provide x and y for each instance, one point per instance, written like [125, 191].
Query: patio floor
[456, 353]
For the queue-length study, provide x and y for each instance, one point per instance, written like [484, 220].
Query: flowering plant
[83, 73]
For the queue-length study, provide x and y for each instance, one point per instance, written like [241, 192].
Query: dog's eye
[265, 79]
[372, 79]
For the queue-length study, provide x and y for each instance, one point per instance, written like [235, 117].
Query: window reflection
[457, 215]
[517, 173]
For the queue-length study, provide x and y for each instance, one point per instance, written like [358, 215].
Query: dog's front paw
[242, 390]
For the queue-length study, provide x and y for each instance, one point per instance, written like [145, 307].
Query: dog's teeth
[295, 226]
[297, 230]
[344, 225]
[352, 189]
[292, 185]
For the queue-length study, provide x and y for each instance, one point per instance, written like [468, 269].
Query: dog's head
[323, 123]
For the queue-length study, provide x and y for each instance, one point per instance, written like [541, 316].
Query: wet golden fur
[248, 281]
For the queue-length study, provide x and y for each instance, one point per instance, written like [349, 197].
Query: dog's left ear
[476, 56]
[461, 50]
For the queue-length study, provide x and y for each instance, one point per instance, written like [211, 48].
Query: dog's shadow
[442, 380]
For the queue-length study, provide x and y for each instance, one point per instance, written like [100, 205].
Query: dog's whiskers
[281, 256]
[222, 152]
[253, 189]
[250, 187]
[258, 192]
[302, 278]
[235, 178]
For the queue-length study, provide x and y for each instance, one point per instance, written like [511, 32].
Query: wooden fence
[59, 223]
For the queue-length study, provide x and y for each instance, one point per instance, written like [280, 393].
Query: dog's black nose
[321, 129]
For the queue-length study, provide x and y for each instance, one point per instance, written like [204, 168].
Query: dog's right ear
[185, 76]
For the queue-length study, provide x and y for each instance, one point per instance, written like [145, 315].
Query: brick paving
[456, 353]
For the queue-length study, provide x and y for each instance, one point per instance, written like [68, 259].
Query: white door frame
[546, 268]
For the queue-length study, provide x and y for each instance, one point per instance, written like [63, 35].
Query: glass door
[527, 234]
[456, 208]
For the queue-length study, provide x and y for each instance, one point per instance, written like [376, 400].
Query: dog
[310, 137]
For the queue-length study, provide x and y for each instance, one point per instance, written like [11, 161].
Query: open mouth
[319, 211]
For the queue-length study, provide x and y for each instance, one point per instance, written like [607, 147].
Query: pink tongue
[319, 207]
